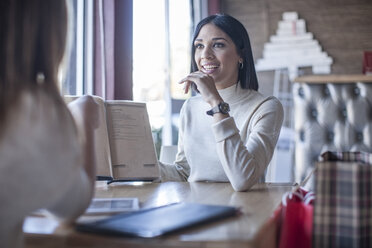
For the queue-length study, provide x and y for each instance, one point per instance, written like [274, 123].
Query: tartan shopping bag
[343, 205]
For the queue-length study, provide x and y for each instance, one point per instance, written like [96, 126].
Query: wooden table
[257, 206]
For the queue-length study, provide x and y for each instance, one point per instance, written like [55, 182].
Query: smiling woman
[236, 144]
[217, 56]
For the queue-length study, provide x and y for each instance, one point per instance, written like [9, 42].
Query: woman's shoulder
[46, 109]
[41, 138]
[44, 129]
[271, 100]
[255, 98]
[37, 117]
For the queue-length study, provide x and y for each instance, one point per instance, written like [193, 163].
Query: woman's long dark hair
[32, 42]
[239, 35]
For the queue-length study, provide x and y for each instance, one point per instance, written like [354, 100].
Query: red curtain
[113, 31]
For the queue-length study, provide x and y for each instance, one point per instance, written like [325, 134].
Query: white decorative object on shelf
[292, 47]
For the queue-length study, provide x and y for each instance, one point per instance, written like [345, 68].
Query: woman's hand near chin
[205, 85]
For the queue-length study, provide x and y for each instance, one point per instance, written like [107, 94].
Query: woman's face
[216, 55]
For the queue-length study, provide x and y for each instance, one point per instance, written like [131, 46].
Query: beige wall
[342, 27]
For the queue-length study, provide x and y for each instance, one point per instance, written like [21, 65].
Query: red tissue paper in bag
[296, 219]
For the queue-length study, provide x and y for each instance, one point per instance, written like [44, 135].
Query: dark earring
[241, 65]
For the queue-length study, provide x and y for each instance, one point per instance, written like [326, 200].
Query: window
[161, 57]
[161, 54]
[79, 76]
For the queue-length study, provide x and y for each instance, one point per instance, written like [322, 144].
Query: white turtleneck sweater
[237, 149]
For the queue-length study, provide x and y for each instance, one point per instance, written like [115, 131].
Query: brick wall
[342, 27]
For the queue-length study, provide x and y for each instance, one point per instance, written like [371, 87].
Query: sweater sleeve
[245, 161]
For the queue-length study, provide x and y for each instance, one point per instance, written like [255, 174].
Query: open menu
[123, 141]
